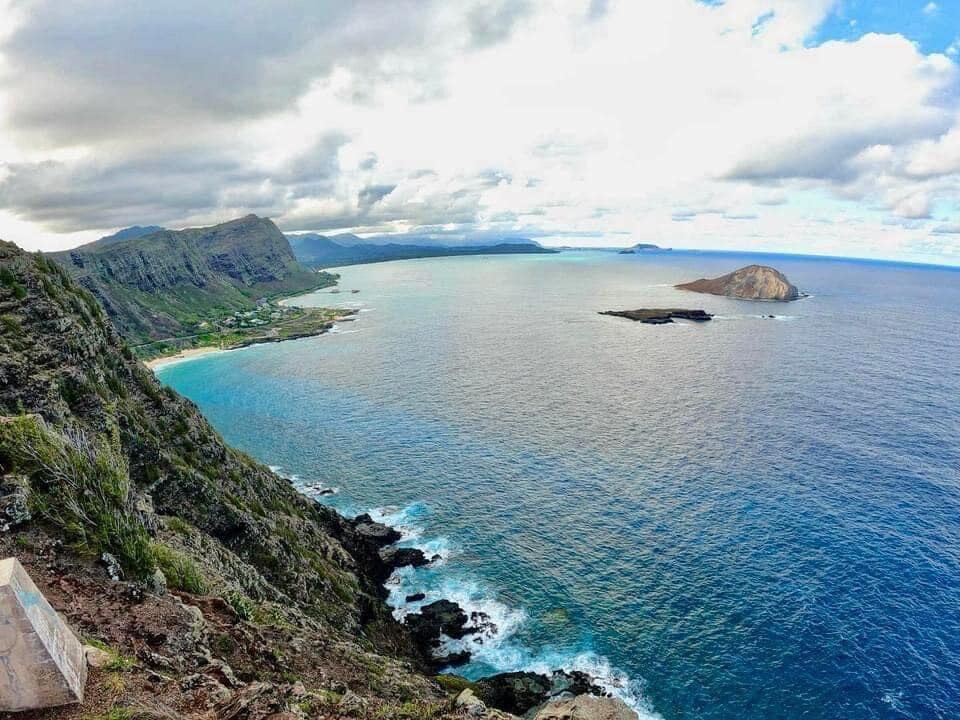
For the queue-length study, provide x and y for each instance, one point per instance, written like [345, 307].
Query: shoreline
[193, 352]
[186, 354]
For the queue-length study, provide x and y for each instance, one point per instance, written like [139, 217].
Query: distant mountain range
[157, 283]
[331, 251]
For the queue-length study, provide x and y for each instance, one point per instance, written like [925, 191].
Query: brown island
[660, 316]
[753, 282]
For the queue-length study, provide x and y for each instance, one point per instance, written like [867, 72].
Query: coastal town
[269, 321]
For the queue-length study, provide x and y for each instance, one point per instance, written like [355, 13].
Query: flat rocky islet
[660, 316]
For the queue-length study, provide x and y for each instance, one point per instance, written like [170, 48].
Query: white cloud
[930, 8]
[592, 118]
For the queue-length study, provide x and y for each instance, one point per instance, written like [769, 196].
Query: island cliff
[208, 585]
[753, 282]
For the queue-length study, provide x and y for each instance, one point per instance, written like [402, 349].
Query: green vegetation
[453, 684]
[117, 712]
[181, 572]
[267, 323]
[241, 604]
[81, 487]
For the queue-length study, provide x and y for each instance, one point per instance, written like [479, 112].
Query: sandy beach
[156, 362]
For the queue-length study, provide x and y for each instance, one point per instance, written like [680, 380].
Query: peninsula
[753, 282]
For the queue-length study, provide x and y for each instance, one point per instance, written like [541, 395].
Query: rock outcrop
[586, 707]
[753, 282]
[519, 692]
[659, 316]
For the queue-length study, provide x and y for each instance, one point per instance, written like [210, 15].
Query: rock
[352, 704]
[586, 707]
[454, 659]
[113, 566]
[514, 692]
[439, 617]
[518, 692]
[470, 703]
[416, 597]
[394, 557]
[14, 490]
[157, 582]
[639, 248]
[254, 700]
[660, 316]
[96, 658]
[753, 282]
[377, 533]
[44, 663]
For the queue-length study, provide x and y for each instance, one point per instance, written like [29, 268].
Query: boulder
[440, 616]
[514, 692]
[586, 707]
[375, 532]
[394, 557]
[470, 703]
[14, 511]
[518, 692]
[44, 663]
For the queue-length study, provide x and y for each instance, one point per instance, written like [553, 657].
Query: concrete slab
[41, 661]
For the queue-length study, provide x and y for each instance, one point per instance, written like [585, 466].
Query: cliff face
[98, 460]
[162, 283]
[754, 282]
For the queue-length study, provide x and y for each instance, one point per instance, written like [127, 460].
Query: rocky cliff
[163, 283]
[209, 587]
[754, 282]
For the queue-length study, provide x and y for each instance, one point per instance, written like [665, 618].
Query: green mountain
[321, 251]
[165, 283]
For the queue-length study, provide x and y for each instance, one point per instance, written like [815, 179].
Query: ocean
[748, 518]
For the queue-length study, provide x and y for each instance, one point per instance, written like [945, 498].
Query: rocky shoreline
[516, 692]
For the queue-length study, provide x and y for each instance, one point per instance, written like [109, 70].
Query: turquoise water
[749, 518]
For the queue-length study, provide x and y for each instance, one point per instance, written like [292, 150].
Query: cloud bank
[673, 121]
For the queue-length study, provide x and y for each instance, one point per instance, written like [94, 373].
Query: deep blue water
[749, 518]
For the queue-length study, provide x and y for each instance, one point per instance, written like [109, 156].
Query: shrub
[81, 487]
[181, 572]
[241, 604]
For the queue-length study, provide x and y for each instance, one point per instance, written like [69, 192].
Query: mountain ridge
[163, 283]
[318, 250]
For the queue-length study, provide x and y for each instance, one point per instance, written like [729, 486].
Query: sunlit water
[748, 518]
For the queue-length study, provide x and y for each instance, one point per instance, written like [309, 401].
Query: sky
[811, 126]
